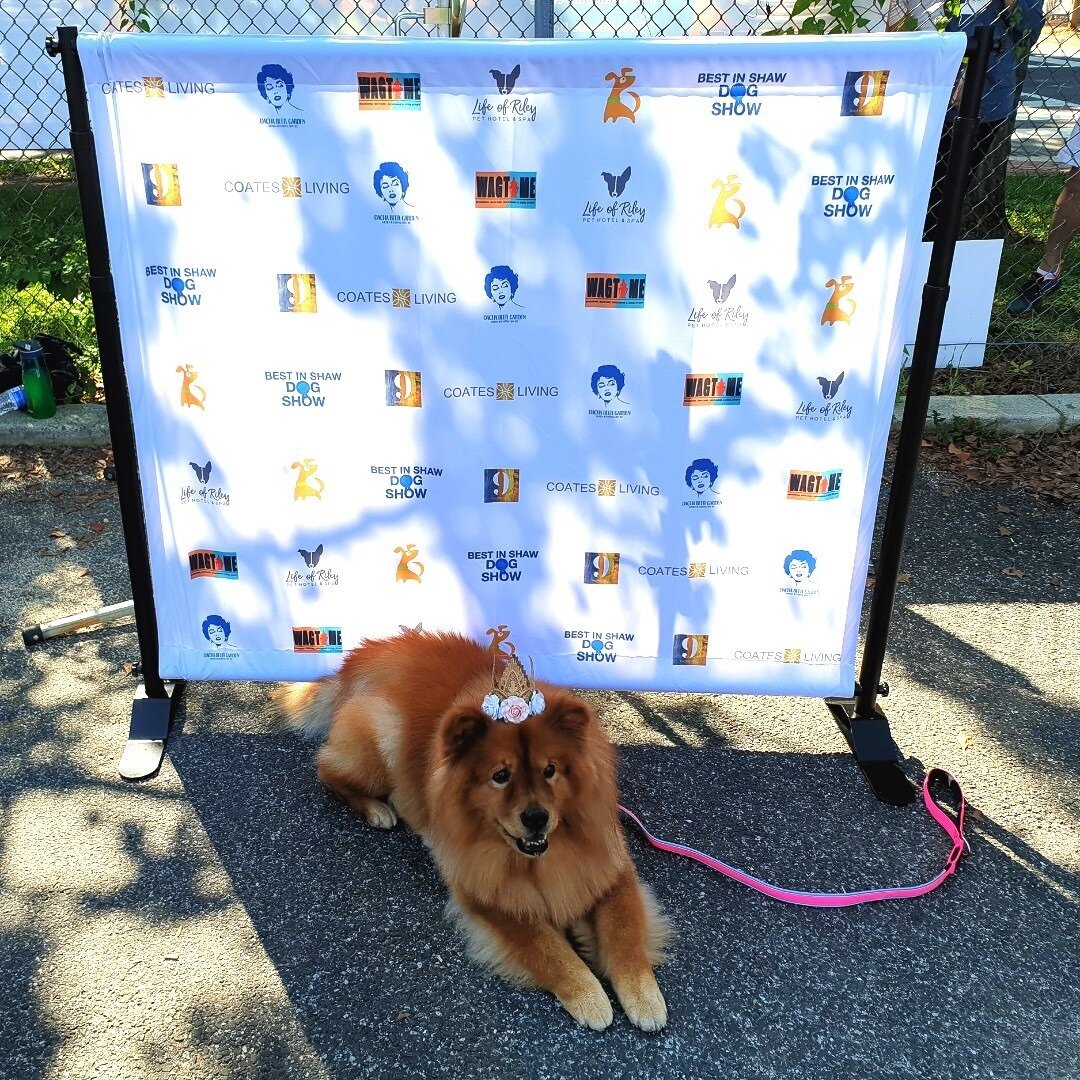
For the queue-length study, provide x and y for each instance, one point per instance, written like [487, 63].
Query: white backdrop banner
[586, 348]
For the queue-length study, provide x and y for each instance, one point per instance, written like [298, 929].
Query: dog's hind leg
[352, 765]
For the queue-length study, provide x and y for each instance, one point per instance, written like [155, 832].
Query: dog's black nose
[534, 818]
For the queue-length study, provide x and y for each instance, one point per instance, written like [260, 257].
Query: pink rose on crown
[514, 710]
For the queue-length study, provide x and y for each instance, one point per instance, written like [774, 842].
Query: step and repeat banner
[587, 349]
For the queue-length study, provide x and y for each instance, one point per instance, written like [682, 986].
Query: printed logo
[614, 290]
[313, 576]
[601, 488]
[503, 391]
[391, 183]
[502, 565]
[690, 650]
[727, 210]
[181, 285]
[161, 184]
[500, 636]
[616, 109]
[701, 476]
[814, 486]
[276, 87]
[864, 93]
[288, 187]
[799, 567]
[296, 293]
[607, 384]
[409, 568]
[406, 481]
[205, 562]
[832, 409]
[504, 108]
[316, 639]
[192, 395]
[217, 631]
[597, 647]
[738, 99]
[502, 485]
[840, 306]
[398, 91]
[506, 191]
[501, 286]
[203, 494]
[694, 570]
[851, 195]
[719, 313]
[155, 87]
[601, 568]
[718, 389]
[617, 211]
[302, 389]
[308, 485]
[396, 298]
[403, 388]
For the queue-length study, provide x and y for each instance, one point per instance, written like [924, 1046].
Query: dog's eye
[549, 772]
[502, 777]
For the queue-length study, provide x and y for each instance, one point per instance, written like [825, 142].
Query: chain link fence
[1017, 192]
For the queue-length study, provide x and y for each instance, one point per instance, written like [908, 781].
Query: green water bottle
[36, 380]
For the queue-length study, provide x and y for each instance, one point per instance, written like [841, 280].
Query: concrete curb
[1019, 414]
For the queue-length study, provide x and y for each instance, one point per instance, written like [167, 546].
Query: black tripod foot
[150, 720]
[875, 752]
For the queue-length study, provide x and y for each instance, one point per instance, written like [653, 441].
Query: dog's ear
[609, 77]
[571, 718]
[463, 730]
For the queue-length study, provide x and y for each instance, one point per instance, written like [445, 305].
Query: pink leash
[955, 830]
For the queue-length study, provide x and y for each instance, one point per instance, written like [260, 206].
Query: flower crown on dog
[513, 698]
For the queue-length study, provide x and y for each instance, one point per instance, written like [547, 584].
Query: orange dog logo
[721, 215]
[615, 109]
[499, 637]
[190, 393]
[405, 572]
[306, 480]
[839, 309]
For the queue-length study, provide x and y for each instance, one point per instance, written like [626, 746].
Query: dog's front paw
[589, 1006]
[642, 1001]
[380, 814]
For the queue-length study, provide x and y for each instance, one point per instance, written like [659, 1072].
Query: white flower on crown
[514, 710]
[491, 705]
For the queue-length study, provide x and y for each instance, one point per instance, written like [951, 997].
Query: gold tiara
[513, 697]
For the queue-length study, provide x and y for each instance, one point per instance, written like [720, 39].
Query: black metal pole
[107, 321]
[924, 358]
[544, 19]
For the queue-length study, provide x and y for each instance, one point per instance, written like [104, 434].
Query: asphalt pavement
[229, 918]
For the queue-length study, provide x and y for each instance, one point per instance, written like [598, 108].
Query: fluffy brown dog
[521, 817]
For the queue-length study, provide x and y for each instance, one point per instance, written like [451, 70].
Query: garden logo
[814, 486]
[308, 485]
[403, 388]
[799, 567]
[506, 191]
[864, 93]
[690, 650]
[182, 284]
[840, 306]
[316, 639]
[296, 293]
[502, 485]
[718, 389]
[398, 91]
[206, 563]
[601, 568]
[614, 290]
[161, 183]
[276, 85]
[217, 631]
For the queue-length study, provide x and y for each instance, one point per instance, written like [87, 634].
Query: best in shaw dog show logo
[811, 486]
[396, 91]
[617, 208]
[181, 286]
[403, 388]
[302, 389]
[208, 563]
[502, 565]
[406, 482]
[738, 93]
[597, 646]
[316, 639]
[161, 183]
[864, 93]
[505, 105]
[505, 190]
[721, 388]
[850, 195]
[607, 290]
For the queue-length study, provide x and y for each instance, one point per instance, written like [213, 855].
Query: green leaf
[801, 6]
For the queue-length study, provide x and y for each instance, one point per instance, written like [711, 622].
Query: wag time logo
[502, 565]
[601, 568]
[850, 195]
[406, 481]
[614, 290]
[505, 190]
[597, 646]
[161, 183]
[810, 486]
[690, 650]
[403, 388]
[208, 563]
[181, 286]
[721, 388]
[864, 93]
[397, 91]
[297, 293]
[316, 639]
[502, 485]
[302, 389]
